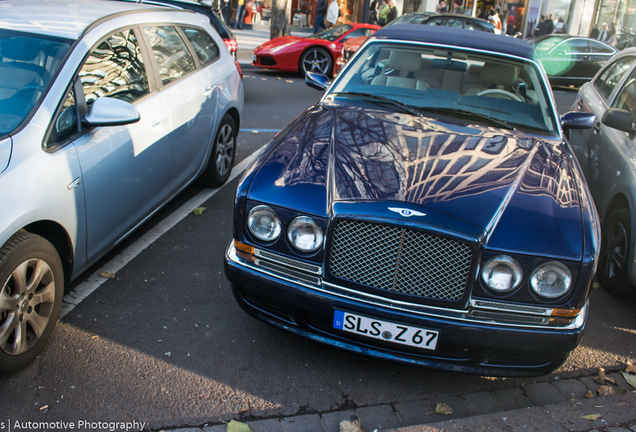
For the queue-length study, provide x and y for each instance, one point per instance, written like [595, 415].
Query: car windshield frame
[19, 105]
[333, 33]
[541, 118]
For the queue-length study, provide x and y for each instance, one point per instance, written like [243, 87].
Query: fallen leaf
[107, 275]
[601, 372]
[629, 367]
[599, 380]
[611, 380]
[235, 426]
[255, 132]
[596, 285]
[278, 78]
[592, 417]
[350, 426]
[95, 337]
[605, 391]
[289, 81]
[443, 409]
[198, 211]
[631, 379]
[620, 390]
[589, 394]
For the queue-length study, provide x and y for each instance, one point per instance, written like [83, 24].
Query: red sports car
[317, 53]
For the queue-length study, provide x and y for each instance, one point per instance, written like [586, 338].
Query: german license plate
[386, 331]
[254, 58]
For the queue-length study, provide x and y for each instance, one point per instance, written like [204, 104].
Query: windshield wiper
[407, 108]
[501, 123]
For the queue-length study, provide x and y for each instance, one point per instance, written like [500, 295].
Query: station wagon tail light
[231, 45]
[304, 234]
[551, 279]
[263, 223]
[502, 274]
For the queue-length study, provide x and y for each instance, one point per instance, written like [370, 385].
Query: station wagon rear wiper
[501, 123]
[405, 107]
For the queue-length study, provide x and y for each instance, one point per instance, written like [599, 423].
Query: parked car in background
[427, 210]
[624, 40]
[229, 39]
[316, 53]
[428, 18]
[571, 60]
[107, 111]
[607, 156]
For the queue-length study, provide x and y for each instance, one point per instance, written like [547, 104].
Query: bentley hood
[522, 192]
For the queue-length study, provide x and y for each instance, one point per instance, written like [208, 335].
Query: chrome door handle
[597, 127]
[208, 91]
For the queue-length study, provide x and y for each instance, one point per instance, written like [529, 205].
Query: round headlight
[502, 273]
[263, 223]
[304, 234]
[551, 279]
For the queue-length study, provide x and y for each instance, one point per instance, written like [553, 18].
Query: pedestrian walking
[321, 11]
[393, 12]
[384, 12]
[240, 14]
[373, 13]
[332, 13]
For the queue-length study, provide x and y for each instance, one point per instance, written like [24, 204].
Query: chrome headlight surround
[551, 279]
[263, 223]
[502, 274]
[304, 234]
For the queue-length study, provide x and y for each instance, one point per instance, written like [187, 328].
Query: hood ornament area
[406, 212]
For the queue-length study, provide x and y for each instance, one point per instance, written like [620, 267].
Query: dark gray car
[608, 157]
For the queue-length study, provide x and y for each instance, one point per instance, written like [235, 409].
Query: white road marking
[94, 281]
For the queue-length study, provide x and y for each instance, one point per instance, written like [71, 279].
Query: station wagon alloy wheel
[224, 150]
[30, 299]
[612, 273]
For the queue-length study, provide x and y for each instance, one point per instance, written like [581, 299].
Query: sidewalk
[559, 405]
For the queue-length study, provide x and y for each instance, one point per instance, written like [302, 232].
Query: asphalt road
[165, 343]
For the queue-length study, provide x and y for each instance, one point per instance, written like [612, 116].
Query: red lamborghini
[316, 53]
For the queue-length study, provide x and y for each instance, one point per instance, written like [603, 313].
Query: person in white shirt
[332, 13]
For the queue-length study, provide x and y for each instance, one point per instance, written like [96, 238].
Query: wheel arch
[234, 113]
[55, 234]
[617, 202]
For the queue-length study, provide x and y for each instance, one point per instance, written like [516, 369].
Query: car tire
[316, 59]
[28, 312]
[222, 155]
[614, 261]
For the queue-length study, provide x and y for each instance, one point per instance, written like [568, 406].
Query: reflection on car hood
[499, 180]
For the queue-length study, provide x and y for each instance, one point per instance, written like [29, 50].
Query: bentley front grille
[400, 260]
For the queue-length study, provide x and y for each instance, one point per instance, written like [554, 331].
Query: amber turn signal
[243, 247]
[568, 313]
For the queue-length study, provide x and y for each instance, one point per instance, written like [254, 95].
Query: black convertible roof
[473, 39]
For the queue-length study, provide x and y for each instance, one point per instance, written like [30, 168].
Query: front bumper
[304, 305]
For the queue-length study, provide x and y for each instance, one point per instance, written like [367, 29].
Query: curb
[558, 405]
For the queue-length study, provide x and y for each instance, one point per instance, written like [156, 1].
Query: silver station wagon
[107, 111]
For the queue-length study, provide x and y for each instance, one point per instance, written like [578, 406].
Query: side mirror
[577, 120]
[317, 81]
[620, 119]
[107, 111]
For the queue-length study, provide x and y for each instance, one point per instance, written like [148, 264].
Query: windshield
[429, 79]
[333, 33]
[27, 63]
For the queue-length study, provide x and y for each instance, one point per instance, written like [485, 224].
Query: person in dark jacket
[321, 11]
[393, 12]
[595, 32]
[373, 13]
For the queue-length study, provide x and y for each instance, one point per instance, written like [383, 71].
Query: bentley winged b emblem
[406, 212]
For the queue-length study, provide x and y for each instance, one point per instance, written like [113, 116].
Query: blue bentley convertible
[428, 210]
